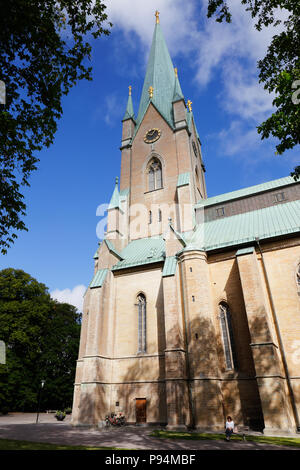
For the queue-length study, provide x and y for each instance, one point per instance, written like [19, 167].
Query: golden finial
[189, 104]
[130, 87]
[157, 16]
[151, 92]
[176, 71]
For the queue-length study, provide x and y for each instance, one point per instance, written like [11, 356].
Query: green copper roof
[245, 251]
[180, 236]
[183, 179]
[177, 95]
[129, 113]
[112, 249]
[96, 256]
[190, 119]
[99, 278]
[161, 76]
[115, 199]
[170, 266]
[247, 191]
[140, 252]
[237, 230]
[273, 221]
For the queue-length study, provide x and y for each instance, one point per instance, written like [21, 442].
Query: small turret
[179, 110]
[128, 121]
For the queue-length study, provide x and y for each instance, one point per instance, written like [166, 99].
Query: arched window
[227, 335]
[154, 175]
[159, 215]
[142, 323]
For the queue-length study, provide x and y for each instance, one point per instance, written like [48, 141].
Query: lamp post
[39, 400]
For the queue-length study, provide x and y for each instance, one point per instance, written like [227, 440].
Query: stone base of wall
[279, 432]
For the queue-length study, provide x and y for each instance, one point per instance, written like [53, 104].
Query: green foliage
[296, 173]
[43, 53]
[60, 415]
[42, 338]
[279, 70]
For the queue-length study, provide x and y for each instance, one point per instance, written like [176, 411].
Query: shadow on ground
[122, 438]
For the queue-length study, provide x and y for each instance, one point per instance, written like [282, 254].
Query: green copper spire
[115, 199]
[129, 113]
[159, 83]
[178, 95]
[190, 118]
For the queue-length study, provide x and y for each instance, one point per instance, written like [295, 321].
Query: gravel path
[22, 426]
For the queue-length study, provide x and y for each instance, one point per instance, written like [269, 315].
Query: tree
[42, 339]
[59, 355]
[279, 70]
[43, 53]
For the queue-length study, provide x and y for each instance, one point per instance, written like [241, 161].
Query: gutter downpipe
[188, 368]
[281, 347]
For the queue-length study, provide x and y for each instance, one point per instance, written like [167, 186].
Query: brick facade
[183, 374]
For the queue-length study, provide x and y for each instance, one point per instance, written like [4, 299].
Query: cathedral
[193, 311]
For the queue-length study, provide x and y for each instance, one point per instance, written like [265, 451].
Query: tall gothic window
[154, 175]
[227, 335]
[142, 323]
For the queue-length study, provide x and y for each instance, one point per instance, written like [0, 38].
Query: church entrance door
[140, 408]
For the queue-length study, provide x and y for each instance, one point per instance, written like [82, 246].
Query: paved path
[22, 426]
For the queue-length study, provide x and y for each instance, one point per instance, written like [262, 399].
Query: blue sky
[217, 71]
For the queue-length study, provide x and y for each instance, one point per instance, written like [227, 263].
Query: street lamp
[39, 400]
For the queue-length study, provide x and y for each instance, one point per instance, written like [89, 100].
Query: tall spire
[160, 76]
[129, 113]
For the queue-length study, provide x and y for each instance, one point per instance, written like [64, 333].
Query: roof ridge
[247, 191]
[240, 229]
[295, 202]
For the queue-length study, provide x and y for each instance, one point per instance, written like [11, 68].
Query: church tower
[180, 326]
[161, 166]
[133, 340]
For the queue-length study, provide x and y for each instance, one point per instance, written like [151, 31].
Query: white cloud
[112, 109]
[223, 42]
[243, 95]
[237, 140]
[136, 16]
[230, 51]
[71, 296]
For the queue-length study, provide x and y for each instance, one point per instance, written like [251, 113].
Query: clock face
[152, 135]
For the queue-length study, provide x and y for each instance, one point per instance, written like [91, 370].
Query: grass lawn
[280, 441]
[11, 444]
